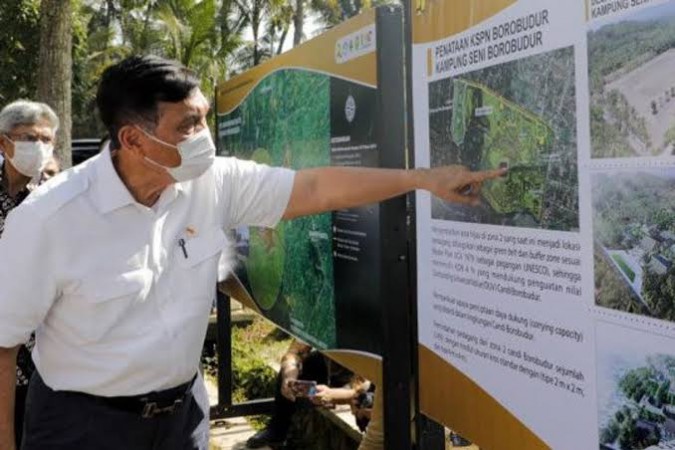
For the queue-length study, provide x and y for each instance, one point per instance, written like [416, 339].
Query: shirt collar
[110, 192]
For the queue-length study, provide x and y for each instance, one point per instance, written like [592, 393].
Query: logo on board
[356, 44]
[350, 109]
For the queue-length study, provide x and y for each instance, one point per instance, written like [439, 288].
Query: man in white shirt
[115, 262]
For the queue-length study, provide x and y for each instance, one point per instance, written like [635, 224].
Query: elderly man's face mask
[31, 153]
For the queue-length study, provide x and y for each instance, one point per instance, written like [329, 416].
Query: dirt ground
[650, 82]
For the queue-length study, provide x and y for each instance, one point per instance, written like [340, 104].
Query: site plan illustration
[519, 115]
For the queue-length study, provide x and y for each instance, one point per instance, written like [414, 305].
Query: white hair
[26, 112]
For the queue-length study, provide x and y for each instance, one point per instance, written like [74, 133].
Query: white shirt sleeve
[27, 286]
[259, 194]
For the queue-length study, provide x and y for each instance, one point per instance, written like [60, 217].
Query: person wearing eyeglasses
[27, 133]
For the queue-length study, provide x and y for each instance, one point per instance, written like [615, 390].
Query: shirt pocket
[195, 274]
[201, 248]
[104, 301]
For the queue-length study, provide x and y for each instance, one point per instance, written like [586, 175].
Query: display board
[546, 313]
[318, 277]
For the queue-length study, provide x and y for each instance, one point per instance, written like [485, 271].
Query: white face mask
[30, 157]
[197, 154]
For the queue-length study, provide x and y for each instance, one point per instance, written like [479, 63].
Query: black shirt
[24, 362]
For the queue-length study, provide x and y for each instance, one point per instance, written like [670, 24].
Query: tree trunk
[55, 69]
[111, 12]
[255, 26]
[299, 22]
[256, 53]
[282, 40]
[146, 25]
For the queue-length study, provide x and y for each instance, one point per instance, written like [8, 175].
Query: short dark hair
[130, 90]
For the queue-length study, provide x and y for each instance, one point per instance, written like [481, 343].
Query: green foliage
[253, 347]
[611, 291]
[265, 18]
[636, 433]
[647, 403]
[621, 415]
[627, 438]
[614, 51]
[607, 139]
[635, 437]
[288, 115]
[620, 201]
[333, 12]
[659, 294]
[19, 44]
[205, 35]
[635, 383]
[202, 34]
[610, 433]
[661, 396]
[625, 46]
[252, 377]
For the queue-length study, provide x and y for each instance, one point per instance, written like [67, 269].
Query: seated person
[302, 363]
[367, 408]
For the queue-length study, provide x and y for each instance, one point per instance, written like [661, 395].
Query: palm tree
[231, 24]
[200, 34]
[259, 15]
[190, 27]
[334, 12]
[279, 24]
[298, 22]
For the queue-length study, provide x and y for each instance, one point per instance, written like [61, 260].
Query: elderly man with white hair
[27, 134]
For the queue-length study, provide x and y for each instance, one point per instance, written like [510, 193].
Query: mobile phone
[303, 388]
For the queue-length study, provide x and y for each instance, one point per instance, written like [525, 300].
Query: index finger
[479, 177]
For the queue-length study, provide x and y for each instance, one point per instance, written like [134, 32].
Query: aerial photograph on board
[636, 391]
[285, 121]
[634, 240]
[520, 115]
[631, 62]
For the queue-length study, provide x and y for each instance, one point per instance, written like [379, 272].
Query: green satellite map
[285, 121]
[513, 138]
[520, 115]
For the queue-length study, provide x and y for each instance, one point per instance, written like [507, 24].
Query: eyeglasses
[32, 137]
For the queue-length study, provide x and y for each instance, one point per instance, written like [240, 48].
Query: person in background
[367, 408]
[50, 170]
[334, 385]
[27, 133]
[301, 362]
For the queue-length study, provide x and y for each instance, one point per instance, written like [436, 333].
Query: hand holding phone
[303, 388]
